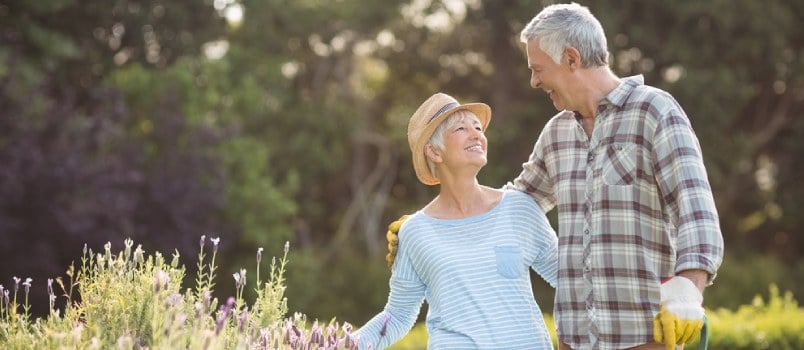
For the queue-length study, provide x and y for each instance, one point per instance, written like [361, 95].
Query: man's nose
[535, 82]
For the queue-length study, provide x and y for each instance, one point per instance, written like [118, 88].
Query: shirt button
[586, 232]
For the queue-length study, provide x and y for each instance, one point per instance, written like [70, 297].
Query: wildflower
[207, 301]
[16, 283]
[27, 284]
[243, 319]
[259, 255]
[223, 314]
[180, 319]
[237, 279]
[85, 249]
[161, 280]
[203, 239]
[50, 294]
[175, 262]
[316, 335]
[215, 242]
[287, 246]
[198, 308]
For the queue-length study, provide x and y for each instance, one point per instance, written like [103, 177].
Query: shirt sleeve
[546, 261]
[401, 310]
[534, 178]
[685, 190]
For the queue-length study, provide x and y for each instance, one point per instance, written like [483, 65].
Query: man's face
[547, 75]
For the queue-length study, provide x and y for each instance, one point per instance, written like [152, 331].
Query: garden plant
[134, 300]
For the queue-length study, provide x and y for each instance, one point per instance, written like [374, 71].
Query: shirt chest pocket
[620, 164]
[509, 260]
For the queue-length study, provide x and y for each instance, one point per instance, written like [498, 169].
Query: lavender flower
[27, 285]
[161, 280]
[259, 255]
[215, 242]
[243, 319]
[16, 284]
[237, 279]
[203, 239]
[287, 246]
[223, 314]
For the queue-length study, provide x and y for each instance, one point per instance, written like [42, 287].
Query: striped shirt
[634, 207]
[473, 273]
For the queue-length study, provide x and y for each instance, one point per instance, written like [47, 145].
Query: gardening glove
[681, 315]
[393, 239]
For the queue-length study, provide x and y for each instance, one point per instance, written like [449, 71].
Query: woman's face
[465, 142]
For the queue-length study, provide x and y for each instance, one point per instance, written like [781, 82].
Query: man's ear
[573, 58]
[434, 154]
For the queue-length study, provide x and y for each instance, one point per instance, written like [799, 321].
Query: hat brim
[483, 113]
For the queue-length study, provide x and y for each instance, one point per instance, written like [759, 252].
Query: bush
[131, 300]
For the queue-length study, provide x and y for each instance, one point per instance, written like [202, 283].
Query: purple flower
[259, 255]
[223, 314]
[203, 239]
[215, 242]
[161, 280]
[27, 284]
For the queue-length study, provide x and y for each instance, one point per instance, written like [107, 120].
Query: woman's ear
[434, 154]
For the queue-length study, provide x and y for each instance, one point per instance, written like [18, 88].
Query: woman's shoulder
[516, 197]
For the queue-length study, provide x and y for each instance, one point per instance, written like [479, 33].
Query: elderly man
[639, 234]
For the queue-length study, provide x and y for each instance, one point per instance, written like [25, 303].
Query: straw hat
[427, 118]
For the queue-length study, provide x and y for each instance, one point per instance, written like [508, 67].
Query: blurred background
[265, 121]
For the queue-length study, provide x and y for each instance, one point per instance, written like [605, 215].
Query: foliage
[131, 299]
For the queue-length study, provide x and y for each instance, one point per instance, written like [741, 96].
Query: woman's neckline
[496, 204]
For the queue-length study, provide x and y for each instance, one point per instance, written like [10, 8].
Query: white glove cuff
[683, 298]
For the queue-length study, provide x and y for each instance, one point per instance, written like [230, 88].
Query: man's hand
[680, 317]
[393, 239]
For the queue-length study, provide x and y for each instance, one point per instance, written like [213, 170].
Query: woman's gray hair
[560, 26]
[437, 139]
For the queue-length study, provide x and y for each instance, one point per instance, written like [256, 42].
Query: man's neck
[596, 85]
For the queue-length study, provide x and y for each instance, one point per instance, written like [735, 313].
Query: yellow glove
[393, 239]
[681, 315]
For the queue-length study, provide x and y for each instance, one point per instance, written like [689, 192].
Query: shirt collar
[619, 95]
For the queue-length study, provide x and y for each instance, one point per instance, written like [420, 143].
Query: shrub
[131, 300]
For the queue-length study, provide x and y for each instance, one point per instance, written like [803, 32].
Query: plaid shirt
[634, 207]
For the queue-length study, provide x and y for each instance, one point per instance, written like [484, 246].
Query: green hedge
[775, 324]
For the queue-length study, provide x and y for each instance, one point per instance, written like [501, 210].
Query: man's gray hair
[560, 26]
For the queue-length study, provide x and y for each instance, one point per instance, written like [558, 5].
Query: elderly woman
[468, 251]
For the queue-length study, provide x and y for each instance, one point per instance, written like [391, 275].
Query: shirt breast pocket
[620, 168]
[509, 260]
